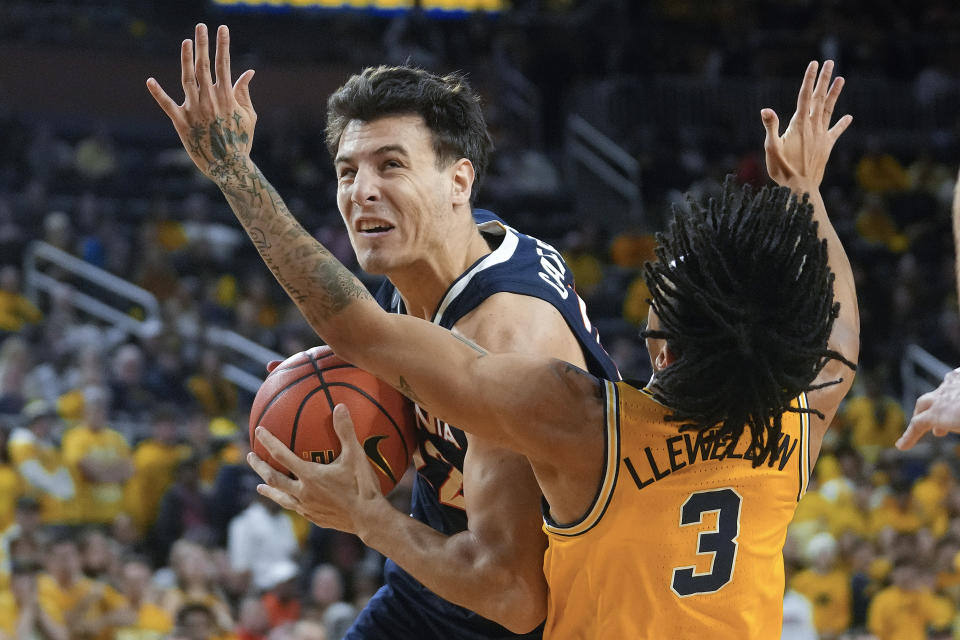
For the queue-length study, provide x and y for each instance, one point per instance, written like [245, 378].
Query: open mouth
[374, 227]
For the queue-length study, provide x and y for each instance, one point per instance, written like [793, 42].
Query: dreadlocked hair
[744, 294]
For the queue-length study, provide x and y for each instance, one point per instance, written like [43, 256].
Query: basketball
[295, 403]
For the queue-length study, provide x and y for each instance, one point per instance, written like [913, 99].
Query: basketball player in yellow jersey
[753, 328]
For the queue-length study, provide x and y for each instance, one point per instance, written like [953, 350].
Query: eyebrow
[385, 149]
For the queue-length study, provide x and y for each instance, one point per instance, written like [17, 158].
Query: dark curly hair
[744, 294]
[447, 104]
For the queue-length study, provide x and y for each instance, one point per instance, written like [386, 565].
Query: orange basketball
[295, 403]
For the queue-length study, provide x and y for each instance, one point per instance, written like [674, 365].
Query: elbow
[527, 618]
[521, 602]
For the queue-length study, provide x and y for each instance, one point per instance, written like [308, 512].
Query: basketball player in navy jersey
[409, 150]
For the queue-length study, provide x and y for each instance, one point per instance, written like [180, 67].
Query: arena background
[122, 268]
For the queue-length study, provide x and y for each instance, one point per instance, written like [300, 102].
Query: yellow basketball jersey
[685, 536]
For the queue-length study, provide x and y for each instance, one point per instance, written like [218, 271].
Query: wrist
[376, 519]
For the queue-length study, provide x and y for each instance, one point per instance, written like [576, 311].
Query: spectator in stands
[195, 621]
[20, 541]
[259, 538]
[184, 510]
[40, 464]
[15, 363]
[195, 585]
[929, 494]
[152, 620]
[99, 559]
[155, 462]
[896, 511]
[326, 602]
[24, 613]
[880, 172]
[908, 607]
[91, 609]
[825, 585]
[252, 623]
[281, 597]
[99, 458]
[11, 485]
[210, 388]
[873, 417]
[16, 311]
[129, 394]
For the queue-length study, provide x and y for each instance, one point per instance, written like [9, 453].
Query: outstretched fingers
[831, 100]
[806, 89]
[917, 428]
[188, 77]
[222, 61]
[837, 130]
[168, 104]
[204, 79]
[822, 86]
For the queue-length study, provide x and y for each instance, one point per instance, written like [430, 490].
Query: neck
[423, 283]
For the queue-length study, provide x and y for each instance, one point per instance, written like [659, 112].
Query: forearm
[321, 287]
[460, 568]
[847, 323]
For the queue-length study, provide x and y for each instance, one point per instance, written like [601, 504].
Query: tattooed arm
[216, 125]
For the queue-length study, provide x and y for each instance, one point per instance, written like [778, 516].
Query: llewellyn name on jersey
[687, 449]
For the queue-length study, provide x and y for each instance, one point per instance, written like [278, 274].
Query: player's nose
[366, 187]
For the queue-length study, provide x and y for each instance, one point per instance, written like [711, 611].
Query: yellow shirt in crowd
[97, 502]
[829, 595]
[898, 614]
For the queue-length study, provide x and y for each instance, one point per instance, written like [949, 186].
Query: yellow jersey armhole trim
[611, 467]
[804, 446]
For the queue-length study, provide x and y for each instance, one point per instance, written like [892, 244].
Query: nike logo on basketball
[371, 446]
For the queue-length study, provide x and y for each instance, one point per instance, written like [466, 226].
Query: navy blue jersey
[519, 264]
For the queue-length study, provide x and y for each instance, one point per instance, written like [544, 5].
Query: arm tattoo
[575, 378]
[404, 387]
[311, 275]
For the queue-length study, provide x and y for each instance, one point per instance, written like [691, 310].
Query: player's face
[394, 198]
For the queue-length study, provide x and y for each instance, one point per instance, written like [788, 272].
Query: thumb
[772, 125]
[241, 89]
[343, 426]
[273, 364]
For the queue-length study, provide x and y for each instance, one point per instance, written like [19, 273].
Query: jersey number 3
[720, 542]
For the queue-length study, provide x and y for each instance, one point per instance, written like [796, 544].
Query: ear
[665, 358]
[463, 176]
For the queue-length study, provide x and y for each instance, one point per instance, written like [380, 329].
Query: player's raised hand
[336, 495]
[937, 411]
[799, 156]
[216, 120]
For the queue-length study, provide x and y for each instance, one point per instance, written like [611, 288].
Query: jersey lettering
[721, 542]
[451, 488]
[552, 268]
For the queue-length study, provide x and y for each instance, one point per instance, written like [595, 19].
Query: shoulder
[520, 323]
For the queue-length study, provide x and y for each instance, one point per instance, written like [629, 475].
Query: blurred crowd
[126, 507]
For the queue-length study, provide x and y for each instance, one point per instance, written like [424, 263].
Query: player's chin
[378, 262]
